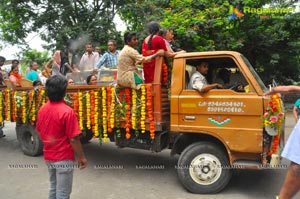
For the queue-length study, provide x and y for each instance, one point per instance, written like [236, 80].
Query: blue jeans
[61, 178]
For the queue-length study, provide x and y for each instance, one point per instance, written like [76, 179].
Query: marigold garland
[80, 110]
[24, 105]
[128, 113]
[14, 106]
[143, 109]
[96, 114]
[133, 109]
[108, 105]
[88, 110]
[149, 111]
[164, 74]
[32, 109]
[8, 105]
[112, 108]
[104, 115]
[1, 109]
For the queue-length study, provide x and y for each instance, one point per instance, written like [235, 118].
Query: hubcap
[205, 169]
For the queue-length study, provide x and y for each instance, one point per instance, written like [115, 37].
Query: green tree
[59, 22]
[28, 56]
[271, 44]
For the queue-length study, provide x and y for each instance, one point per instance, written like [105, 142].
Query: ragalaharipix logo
[234, 13]
[263, 13]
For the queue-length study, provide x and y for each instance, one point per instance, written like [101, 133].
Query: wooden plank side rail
[156, 92]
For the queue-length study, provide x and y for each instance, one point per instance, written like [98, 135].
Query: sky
[35, 42]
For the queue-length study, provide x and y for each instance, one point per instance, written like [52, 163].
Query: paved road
[126, 180]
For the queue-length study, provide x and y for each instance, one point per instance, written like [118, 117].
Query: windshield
[255, 75]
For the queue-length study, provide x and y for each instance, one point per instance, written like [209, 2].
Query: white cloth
[197, 81]
[291, 150]
[88, 62]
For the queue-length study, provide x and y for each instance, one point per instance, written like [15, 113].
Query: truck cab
[219, 127]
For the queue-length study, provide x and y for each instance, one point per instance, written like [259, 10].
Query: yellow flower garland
[1, 109]
[80, 110]
[112, 107]
[8, 104]
[96, 117]
[143, 108]
[88, 110]
[23, 105]
[104, 115]
[133, 110]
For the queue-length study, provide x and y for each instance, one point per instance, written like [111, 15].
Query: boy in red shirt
[59, 130]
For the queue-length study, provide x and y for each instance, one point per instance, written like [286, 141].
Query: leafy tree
[271, 43]
[59, 22]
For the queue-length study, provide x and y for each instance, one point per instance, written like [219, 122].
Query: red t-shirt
[56, 124]
[148, 67]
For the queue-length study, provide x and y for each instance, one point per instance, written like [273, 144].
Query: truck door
[233, 114]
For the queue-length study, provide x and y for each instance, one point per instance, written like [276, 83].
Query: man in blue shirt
[33, 75]
[110, 58]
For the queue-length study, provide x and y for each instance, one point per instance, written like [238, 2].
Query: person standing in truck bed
[128, 75]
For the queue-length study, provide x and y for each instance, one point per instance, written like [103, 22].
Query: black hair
[2, 59]
[162, 32]
[56, 88]
[113, 41]
[12, 68]
[31, 63]
[15, 60]
[37, 83]
[88, 79]
[153, 28]
[128, 36]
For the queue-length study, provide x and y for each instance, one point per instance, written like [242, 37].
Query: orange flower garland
[275, 144]
[164, 74]
[1, 109]
[128, 113]
[76, 104]
[149, 111]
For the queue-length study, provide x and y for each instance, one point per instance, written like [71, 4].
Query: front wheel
[202, 168]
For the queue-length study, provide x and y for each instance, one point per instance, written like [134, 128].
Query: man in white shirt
[88, 59]
[198, 80]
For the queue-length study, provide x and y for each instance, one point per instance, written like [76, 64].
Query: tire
[30, 142]
[86, 136]
[202, 168]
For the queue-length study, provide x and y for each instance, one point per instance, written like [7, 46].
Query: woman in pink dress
[14, 75]
[152, 43]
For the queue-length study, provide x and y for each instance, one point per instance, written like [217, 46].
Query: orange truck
[212, 132]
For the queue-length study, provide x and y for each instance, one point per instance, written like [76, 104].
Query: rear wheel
[202, 168]
[30, 142]
[86, 136]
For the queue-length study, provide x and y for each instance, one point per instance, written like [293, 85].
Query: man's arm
[101, 61]
[208, 87]
[77, 147]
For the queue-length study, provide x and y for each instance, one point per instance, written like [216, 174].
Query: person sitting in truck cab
[198, 80]
[224, 77]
